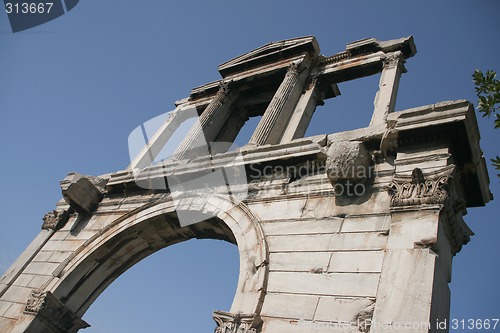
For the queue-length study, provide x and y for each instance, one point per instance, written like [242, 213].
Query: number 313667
[28, 8]
[474, 324]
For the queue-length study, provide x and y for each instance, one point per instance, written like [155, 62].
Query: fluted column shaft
[209, 123]
[274, 109]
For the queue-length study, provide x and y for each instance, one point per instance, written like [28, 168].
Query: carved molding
[336, 58]
[35, 301]
[457, 230]
[420, 189]
[55, 220]
[236, 323]
[46, 307]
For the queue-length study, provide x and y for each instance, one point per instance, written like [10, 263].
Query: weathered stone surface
[55, 220]
[347, 161]
[290, 306]
[396, 300]
[357, 223]
[356, 261]
[299, 261]
[303, 226]
[81, 193]
[317, 283]
[328, 242]
[342, 309]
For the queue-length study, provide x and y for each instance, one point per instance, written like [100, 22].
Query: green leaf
[496, 162]
[488, 92]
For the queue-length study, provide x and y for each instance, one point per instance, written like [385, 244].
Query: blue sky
[73, 89]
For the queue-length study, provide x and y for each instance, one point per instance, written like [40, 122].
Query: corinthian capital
[420, 189]
[393, 59]
[224, 88]
[236, 322]
[293, 69]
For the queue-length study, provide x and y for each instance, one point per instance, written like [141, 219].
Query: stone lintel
[361, 58]
[207, 91]
[297, 150]
[405, 45]
[344, 67]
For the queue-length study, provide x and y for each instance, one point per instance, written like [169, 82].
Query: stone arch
[143, 231]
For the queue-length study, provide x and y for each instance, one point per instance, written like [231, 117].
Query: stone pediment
[270, 53]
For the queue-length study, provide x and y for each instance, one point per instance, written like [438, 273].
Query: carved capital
[420, 189]
[293, 70]
[236, 323]
[46, 307]
[55, 220]
[394, 59]
[224, 88]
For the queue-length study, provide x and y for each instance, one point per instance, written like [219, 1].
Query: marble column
[153, 146]
[302, 115]
[385, 99]
[208, 125]
[266, 132]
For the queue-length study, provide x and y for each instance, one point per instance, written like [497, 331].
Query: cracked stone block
[348, 161]
[80, 193]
